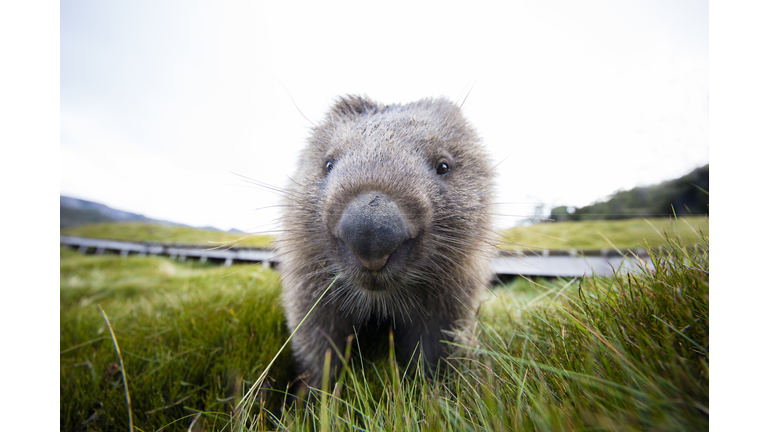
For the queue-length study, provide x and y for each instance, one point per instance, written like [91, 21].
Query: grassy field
[592, 235]
[623, 353]
[151, 232]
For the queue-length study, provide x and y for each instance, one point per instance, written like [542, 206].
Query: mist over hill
[75, 211]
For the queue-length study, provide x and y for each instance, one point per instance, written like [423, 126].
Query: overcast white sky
[162, 101]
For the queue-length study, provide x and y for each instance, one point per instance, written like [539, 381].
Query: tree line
[687, 195]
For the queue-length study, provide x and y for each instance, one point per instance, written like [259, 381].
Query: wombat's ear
[351, 106]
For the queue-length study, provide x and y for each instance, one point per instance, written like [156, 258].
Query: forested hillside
[688, 195]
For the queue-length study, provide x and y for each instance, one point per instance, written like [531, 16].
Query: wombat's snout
[373, 227]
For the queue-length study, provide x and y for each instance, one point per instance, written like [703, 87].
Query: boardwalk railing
[227, 256]
[544, 263]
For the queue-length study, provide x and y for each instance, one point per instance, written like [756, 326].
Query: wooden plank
[567, 266]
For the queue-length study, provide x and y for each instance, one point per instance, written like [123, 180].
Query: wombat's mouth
[393, 264]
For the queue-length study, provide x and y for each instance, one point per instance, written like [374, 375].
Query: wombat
[395, 201]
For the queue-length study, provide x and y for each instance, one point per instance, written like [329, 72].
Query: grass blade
[122, 370]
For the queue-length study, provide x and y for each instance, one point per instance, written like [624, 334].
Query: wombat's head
[392, 197]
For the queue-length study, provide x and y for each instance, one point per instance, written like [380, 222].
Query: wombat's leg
[310, 344]
[422, 339]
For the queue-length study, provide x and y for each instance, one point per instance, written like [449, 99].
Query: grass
[152, 232]
[591, 235]
[621, 353]
[191, 335]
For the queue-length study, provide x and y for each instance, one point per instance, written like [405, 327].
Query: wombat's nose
[372, 227]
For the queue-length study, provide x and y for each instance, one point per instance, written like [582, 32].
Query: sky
[164, 105]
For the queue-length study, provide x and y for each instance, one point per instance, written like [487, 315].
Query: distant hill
[74, 212]
[687, 194]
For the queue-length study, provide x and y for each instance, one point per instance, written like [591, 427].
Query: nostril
[373, 227]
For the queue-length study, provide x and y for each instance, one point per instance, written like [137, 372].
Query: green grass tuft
[192, 337]
[622, 353]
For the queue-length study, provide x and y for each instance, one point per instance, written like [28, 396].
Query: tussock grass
[620, 353]
[192, 337]
[153, 232]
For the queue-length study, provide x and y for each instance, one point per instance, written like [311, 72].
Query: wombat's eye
[328, 166]
[442, 168]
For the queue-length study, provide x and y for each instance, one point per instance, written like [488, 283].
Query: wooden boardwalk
[545, 263]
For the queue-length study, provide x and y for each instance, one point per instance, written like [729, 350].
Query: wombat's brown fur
[393, 199]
